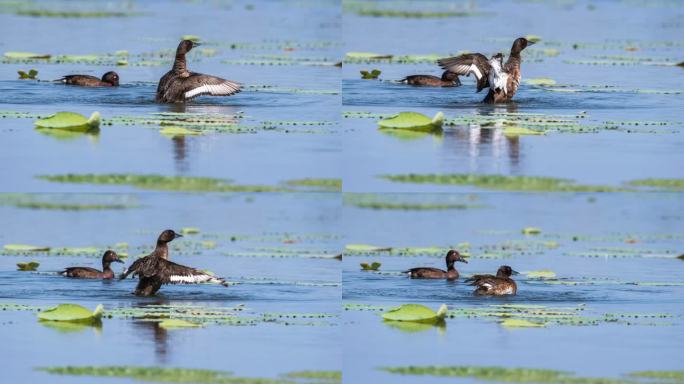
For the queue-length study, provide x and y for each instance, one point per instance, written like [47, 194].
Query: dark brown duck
[502, 80]
[499, 285]
[435, 273]
[109, 79]
[108, 258]
[448, 79]
[180, 85]
[155, 269]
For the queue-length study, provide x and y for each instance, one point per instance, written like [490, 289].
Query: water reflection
[152, 329]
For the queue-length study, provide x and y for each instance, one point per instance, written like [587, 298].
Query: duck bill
[462, 260]
[531, 43]
[196, 44]
[118, 261]
[514, 272]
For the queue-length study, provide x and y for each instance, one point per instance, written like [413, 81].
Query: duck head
[519, 44]
[186, 45]
[110, 257]
[168, 236]
[505, 271]
[453, 256]
[449, 76]
[111, 77]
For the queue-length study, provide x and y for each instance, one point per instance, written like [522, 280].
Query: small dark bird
[155, 269]
[180, 85]
[91, 273]
[501, 284]
[109, 79]
[490, 73]
[435, 273]
[448, 79]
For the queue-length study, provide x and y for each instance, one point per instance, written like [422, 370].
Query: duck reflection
[211, 114]
[151, 329]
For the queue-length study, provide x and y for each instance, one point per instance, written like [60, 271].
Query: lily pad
[178, 323]
[541, 81]
[28, 266]
[541, 274]
[521, 323]
[531, 231]
[368, 56]
[520, 131]
[413, 121]
[190, 231]
[25, 248]
[365, 248]
[26, 55]
[71, 312]
[416, 313]
[194, 38]
[370, 267]
[70, 121]
[30, 75]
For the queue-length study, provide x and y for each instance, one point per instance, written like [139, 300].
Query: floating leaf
[70, 121]
[71, 312]
[29, 266]
[541, 274]
[25, 248]
[365, 248]
[672, 375]
[521, 323]
[371, 267]
[194, 38]
[370, 75]
[533, 38]
[367, 56]
[190, 231]
[178, 323]
[25, 55]
[531, 231]
[413, 121]
[179, 131]
[518, 131]
[416, 313]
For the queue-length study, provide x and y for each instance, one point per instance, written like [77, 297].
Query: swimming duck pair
[502, 79]
[177, 86]
[487, 285]
[153, 270]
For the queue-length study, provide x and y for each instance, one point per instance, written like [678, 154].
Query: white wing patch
[475, 70]
[224, 89]
[498, 79]
[194, 279]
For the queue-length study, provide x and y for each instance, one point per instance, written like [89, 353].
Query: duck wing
[172, 273]
[470, 63]
[197, 84]
[475, 279]
[143, 267]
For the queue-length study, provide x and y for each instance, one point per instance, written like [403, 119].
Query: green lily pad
[71, 312]
[70, 121]
[370, 75]
[178, 323]
[365, 248]
[179, 131]
[521, 323]
[194, 38]
[370, 267]
[541, 274]
[533, 38]
[520, 131]
[30, 75]
[531, 231]
[541, 81]
[416, 313]
[28, 266]
[413, 121]
[25, 248]
[367, 56]
[25, 55]
[190, 231]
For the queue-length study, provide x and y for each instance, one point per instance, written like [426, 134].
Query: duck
[108, 258]
[491, 73]
[435, 273]
[499, 285]
[155, 269]
[109, 79]
[448, 79]
[180, 85]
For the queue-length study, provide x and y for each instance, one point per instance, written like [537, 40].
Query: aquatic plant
[660, 184]
[416, 313]
[521, 323]
[25, 248]
[70, 121]
[28, 266]
[370, 75]
[30, 75]
[72, 313]
[333, 185]
[178, 323]
[413, 121]
[374, 266]
[500, 182]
